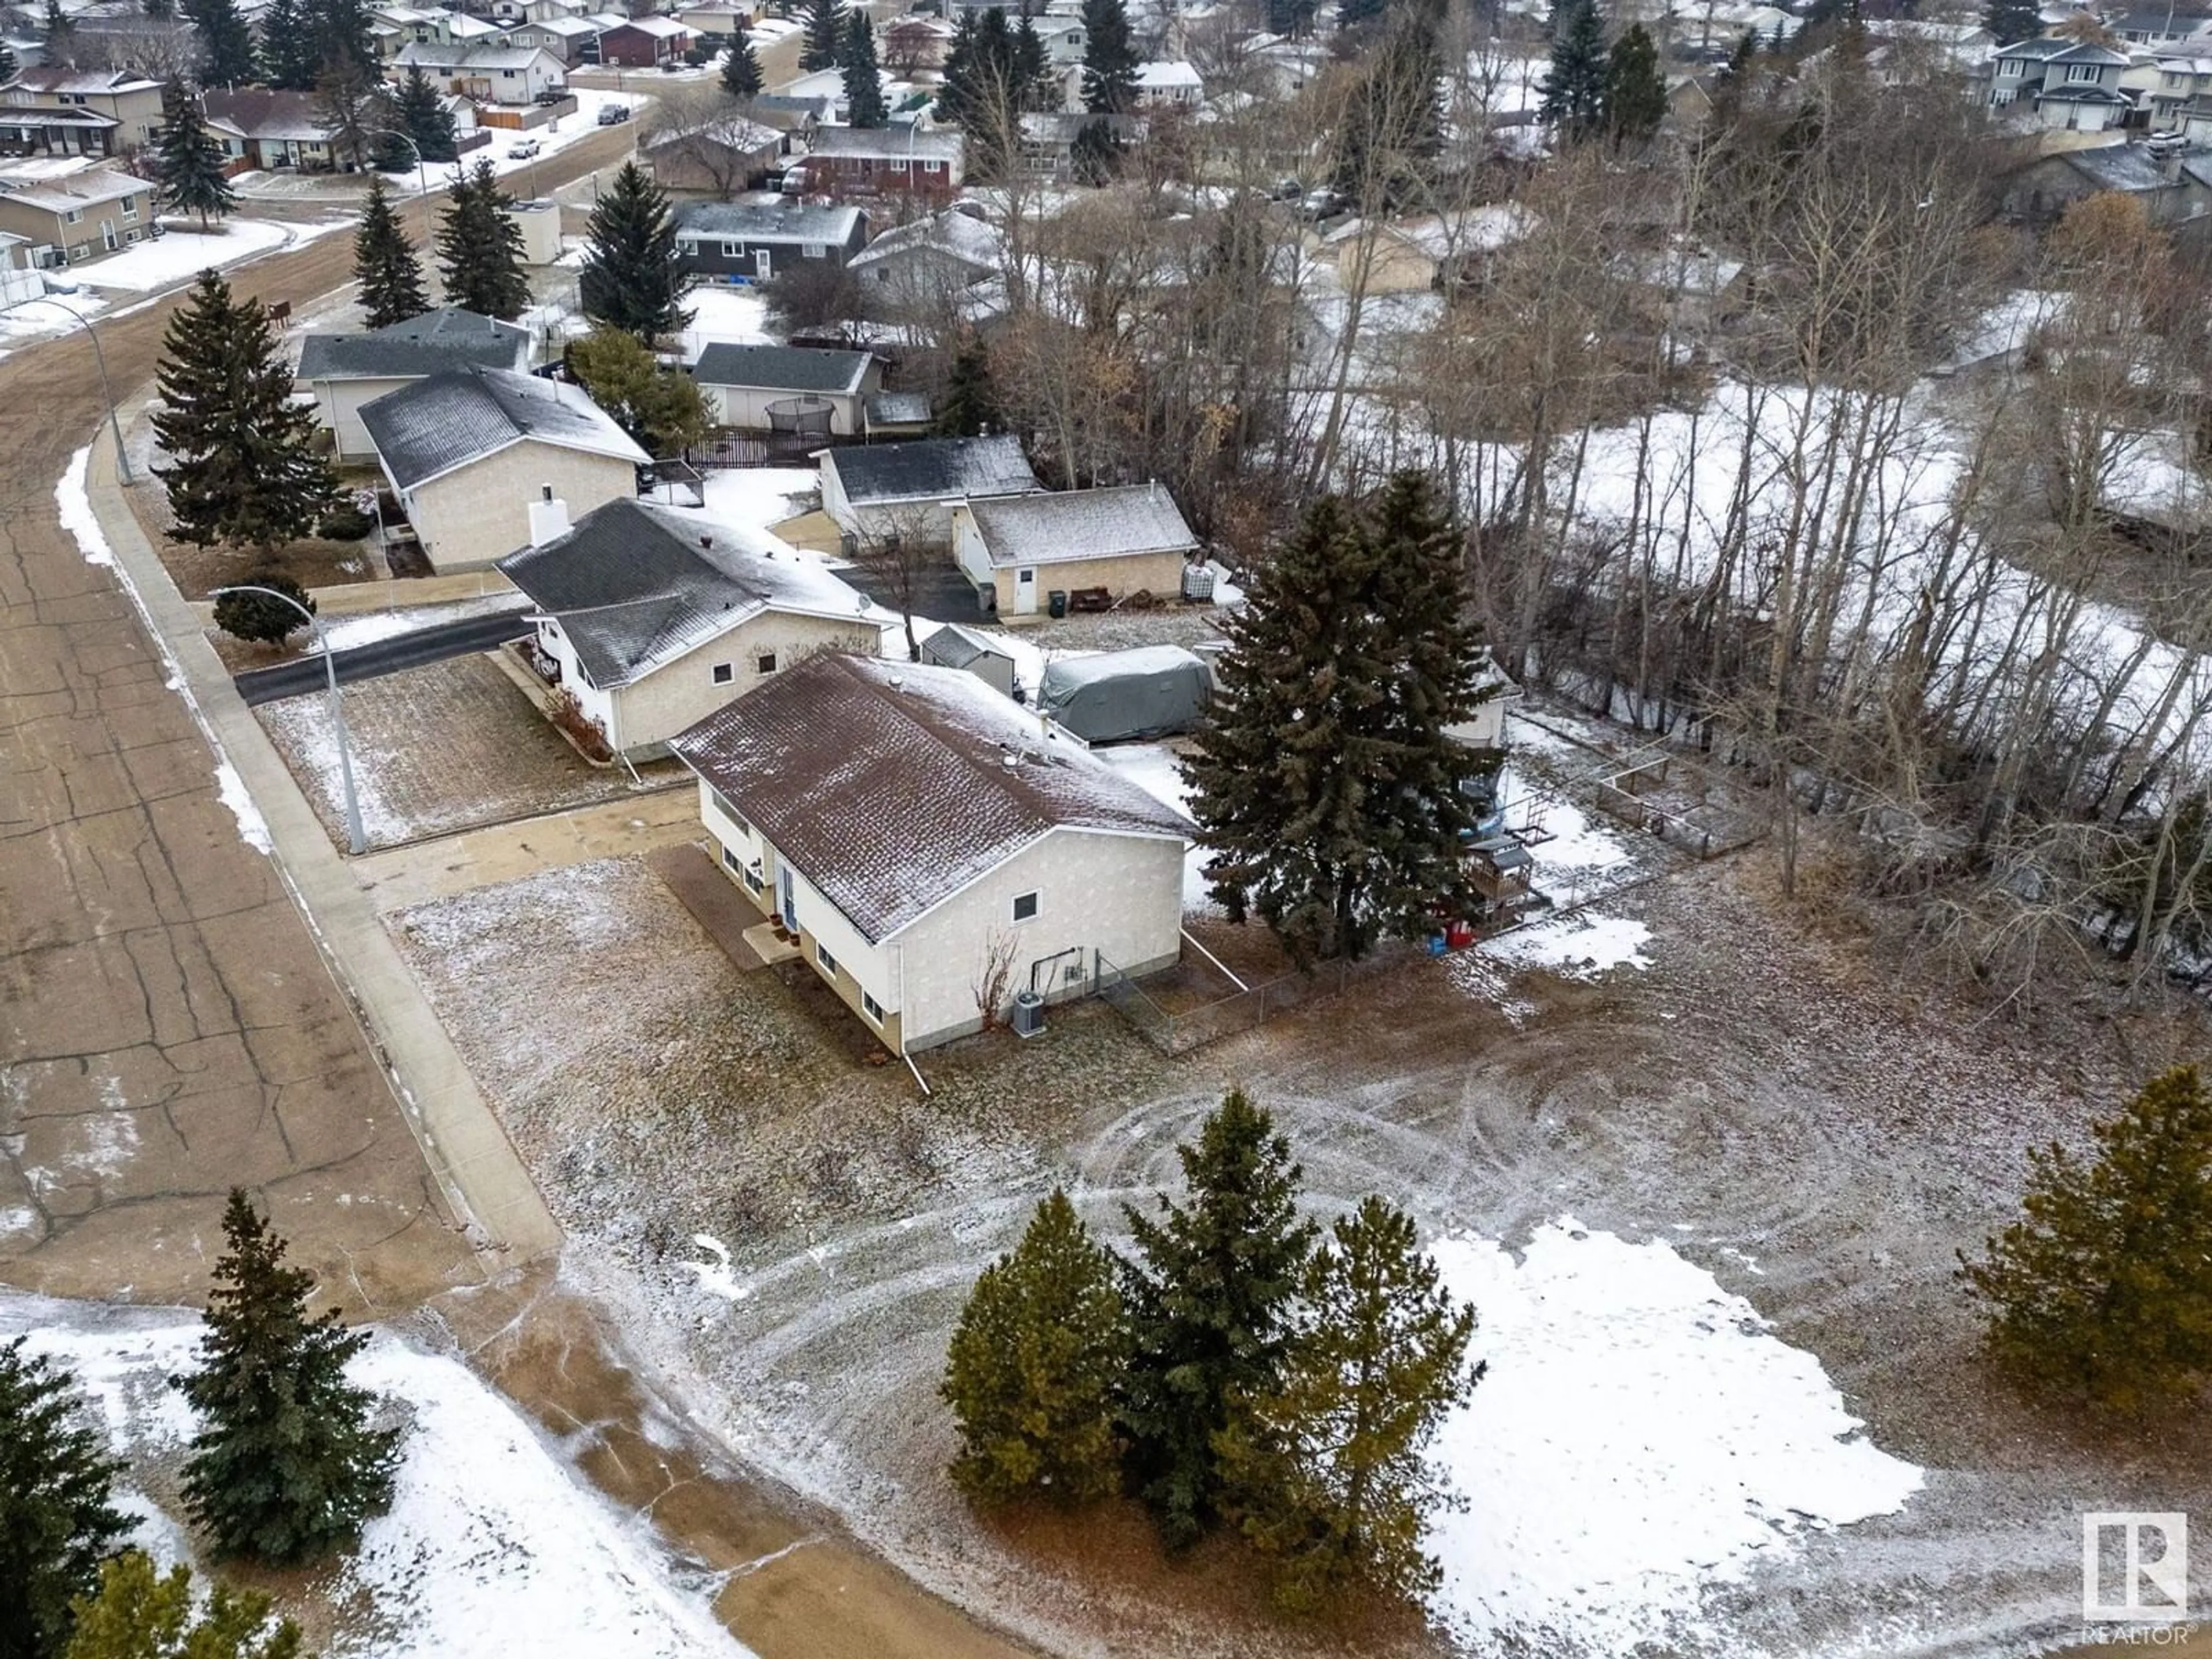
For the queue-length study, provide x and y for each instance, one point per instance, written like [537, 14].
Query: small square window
[1025, 575]
[731, 861]
[828, 962]
[754, 885]
[1025, 907]
[725, 672]
[898, 164]
[733, 250]
[872, 1008]
[814, 250]
[933, 166]
[764, 662]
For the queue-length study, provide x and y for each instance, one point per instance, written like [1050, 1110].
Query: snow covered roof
[954, 646]
[898, 409]
[931, 469]
[1098, 667]
[660, 28]
[446, 338]
[764, 221]
[432, 55]
[77, 191]
[259, 112]
[732, 131]
[781, 368]
[54, 79]
[903, 142]
[634, 587]
[1081, 524]
[892, 786]
[1157, 76]
[956, 234]
[426, 430]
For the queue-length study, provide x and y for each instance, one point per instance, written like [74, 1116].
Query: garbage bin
[1056, 602]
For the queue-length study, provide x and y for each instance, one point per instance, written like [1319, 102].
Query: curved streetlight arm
[100, 362]
[422, 174]
[356, 840]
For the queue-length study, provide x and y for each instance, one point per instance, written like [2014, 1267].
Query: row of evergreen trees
[1594, 91]
[283, 1467]
[1238, 1370]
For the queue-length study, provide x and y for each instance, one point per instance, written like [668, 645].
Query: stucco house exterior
[910, 827]
[910, 489]
[2066, 83]
[1019, 549]
[653, 619]
[488, 73]
[720, 156]
[1170, 84]
[72, 215]
[931, 260]
[58, 110]
[468, 450]
[347, 371]
[741, 382]
[265, 129]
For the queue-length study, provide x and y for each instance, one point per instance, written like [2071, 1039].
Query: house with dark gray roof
[910, 489]
[1020, 550]
[751, 241]
[467, 451]
[746, 385]
[911, 828]
[347, 371]
[653, 618]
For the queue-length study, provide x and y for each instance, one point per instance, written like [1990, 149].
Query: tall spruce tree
[341, 36]
[864, 78]
[1324, 780]
[1034, 1366]
[970, 406]
[824, 42]
[59, 32]
[353, 107]
[58, 1519]
[228, 58]
[1032, 78]
[1393, 126]
[1210, 1302]
[2011, 21]
[384, 263]
[1110, 58]
[1359, 14]
[2105, 1285]
[1326, 1470]
[420, 112]
[243, 469]
[286, 1465]
[480, 248]
[189, 160]
[138, 1614]
[633, 278]
[741, 70]
[1635, 91]
[1573, 92]
[288, 47]
[1095, 156]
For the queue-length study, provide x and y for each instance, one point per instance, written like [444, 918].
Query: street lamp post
[357, 842]
[421, 176]
[100, 362]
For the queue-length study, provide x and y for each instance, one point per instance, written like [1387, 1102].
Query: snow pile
[1641, 1434]
[73, 501]
[760, 495]
[344, 632]
[489, 1546]
[1580, 946]
[178, 256]
[252, 827]
[721, 311]
[309, 738]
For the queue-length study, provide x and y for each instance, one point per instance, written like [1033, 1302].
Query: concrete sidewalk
[467, 1150]
[402, 877]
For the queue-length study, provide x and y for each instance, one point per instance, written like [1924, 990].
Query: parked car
[523, 149]
[553, 95]
[613, 115]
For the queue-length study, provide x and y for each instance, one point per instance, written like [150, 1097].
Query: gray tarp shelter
[1154, 691]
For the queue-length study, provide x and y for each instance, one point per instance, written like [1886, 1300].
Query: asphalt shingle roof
[951, 233]
[766, 221]
[460, 414]
[780, 367]
[902, 143]
[635, 586]
[932, 468]
[886, 784]
[1082, 524]
[447, 338]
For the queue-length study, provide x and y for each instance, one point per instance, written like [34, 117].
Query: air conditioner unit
[1029, 1014]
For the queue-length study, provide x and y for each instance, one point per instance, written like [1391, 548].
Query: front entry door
[790, 898]
[762, 269]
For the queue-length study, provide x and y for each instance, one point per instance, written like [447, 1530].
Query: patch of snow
[306, 720]
[721, 311]
[74, 502]
[715, 1277]
[18, 1220]
[178, 256]
[761, 495]
[343, 633]
[1607, 1496]
[1158, 770]
[252, 827]
[1580, 946]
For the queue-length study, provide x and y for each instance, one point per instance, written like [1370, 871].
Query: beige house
[1019, 551]
[58, 110]
[469, 450]
[348, 372]
[72, 212]
[920, 837]
[655, 618]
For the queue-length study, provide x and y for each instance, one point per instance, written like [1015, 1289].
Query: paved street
[366, 662]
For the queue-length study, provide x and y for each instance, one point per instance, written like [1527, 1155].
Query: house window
[1025, 907]
[733, 250]
[725, 672]
[722, 806]
[814, 250]
[731, 862]
[933, 166]
[507, 74]
[2011, 67]
[754, 885]
[898, 164]
[2083, 72]
[764, 662]
[872, 1008]
[131, 207]
[74, 216]
[824, 960]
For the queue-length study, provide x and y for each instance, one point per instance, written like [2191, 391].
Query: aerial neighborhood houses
[347, 371]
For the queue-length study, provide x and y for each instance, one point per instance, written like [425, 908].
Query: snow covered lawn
[178, 256]
[1158, 770]
[491, 1545]
[1580, 946]
[760, 495]
[722, 312]
[1641, 1436]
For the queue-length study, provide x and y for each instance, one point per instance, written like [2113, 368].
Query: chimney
[707, 541]
[549, 518]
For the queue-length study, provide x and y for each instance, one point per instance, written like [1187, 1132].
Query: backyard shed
[955, 646]
[1153, 691]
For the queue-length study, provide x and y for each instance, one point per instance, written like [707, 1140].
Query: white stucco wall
[481, 511]
[338, 405]
[682, 693]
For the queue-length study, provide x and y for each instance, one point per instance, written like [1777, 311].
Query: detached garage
[760, 388]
